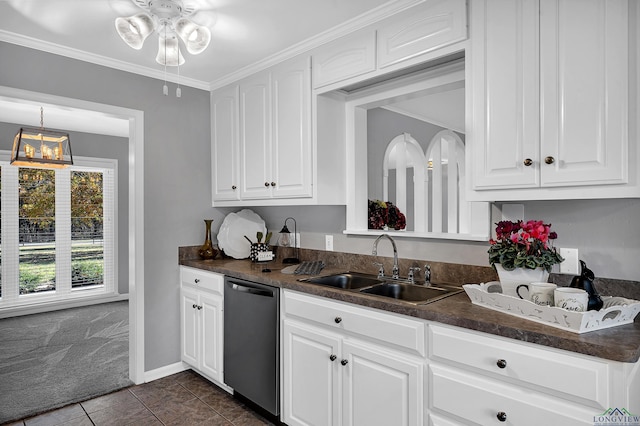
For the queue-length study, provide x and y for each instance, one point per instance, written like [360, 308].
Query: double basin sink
[385, 287]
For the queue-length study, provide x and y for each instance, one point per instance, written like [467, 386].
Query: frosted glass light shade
[194, 36]
[169, 50]
[135, 29]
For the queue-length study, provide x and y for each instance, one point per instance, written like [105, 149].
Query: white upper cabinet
[261, 136]
[426, 27]
[224, 144]
[255, 136]
[550, 100]
[347, 57]
[291, 159]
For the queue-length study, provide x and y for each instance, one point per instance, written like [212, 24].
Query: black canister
[584, 281]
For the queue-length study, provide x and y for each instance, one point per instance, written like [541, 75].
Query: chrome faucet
[395, 274]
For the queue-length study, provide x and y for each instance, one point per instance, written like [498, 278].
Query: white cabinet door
[224, 144]
[255, 137]
[211, 336]
[190, 326]
[584, 86]
[424, 28]
[380, 388]
[311, 375]
[344, 58]
[291, 159]
[549, 83]
[505, 95]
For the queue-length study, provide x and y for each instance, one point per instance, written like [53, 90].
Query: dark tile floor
[181, 399]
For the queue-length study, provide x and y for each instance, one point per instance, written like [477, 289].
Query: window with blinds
[57, 238]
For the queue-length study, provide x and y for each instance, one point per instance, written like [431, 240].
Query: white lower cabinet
[472, 399]
[333, 376]
[201, 303]
[477, 379]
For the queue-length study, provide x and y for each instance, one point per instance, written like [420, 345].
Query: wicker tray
[616, 310]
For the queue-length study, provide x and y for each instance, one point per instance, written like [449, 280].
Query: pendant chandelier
[40, 147]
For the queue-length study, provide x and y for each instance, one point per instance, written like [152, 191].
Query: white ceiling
[244, 32]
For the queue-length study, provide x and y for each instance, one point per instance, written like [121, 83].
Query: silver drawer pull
[501, 363]
[338, 320]
[502, 416]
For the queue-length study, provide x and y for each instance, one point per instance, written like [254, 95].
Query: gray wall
[177, 170]
[606, 233]
[98, 146]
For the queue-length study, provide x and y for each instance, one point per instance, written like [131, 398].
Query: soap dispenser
[584, 281]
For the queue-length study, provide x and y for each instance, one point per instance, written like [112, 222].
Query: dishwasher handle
[244, 288]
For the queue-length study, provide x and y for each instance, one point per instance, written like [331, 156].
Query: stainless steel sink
[384, 288]
[345, 280]
[411, 292]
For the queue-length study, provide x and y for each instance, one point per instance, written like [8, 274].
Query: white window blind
[67, 267]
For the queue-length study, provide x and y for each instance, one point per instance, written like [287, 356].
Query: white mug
[571, 299]
[539, 293]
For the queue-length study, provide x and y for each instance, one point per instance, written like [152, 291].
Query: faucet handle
[427, 274]
[410, 276]
[380, 269]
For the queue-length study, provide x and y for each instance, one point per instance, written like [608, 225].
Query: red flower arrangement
[524, 245]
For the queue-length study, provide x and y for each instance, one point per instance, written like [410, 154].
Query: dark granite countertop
[621, 343]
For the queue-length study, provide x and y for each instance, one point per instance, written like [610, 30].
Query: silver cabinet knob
[549, 160]
[333, 357]
[196, 280]
[266, 184]
[234, 187]
[199, 307]
[501, 363]
[338, 320]
[273, 184]
[194, 306]
[502, 416]
[528, 162]
[344, 362]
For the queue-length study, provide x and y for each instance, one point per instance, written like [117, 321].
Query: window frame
[10, 296]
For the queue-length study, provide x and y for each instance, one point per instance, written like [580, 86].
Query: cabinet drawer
[386, 328]
[209, 281]
[479, 400]
[586, 380]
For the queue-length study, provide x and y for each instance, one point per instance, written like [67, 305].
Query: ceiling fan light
[194, 36]
[135, 29]
[169, 51]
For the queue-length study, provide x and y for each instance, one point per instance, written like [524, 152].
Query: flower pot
[510, 280]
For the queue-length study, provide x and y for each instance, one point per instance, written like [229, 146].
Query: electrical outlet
[328, 242]
[570, 265]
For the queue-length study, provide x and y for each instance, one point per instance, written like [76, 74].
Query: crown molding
[370, 17]
[81, 55]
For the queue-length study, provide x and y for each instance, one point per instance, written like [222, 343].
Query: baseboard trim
[178, 367]
[165, 371]
[56, 305]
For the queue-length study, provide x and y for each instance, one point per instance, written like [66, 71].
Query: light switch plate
[571, 265]
[328, 242]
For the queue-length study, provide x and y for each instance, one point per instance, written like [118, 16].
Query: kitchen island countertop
[621, 343]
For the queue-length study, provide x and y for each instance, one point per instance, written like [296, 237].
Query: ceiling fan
[171, 20]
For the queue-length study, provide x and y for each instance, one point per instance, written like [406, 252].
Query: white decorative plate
[233, 229]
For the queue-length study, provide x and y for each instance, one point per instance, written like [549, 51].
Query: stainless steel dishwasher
[251, 341]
